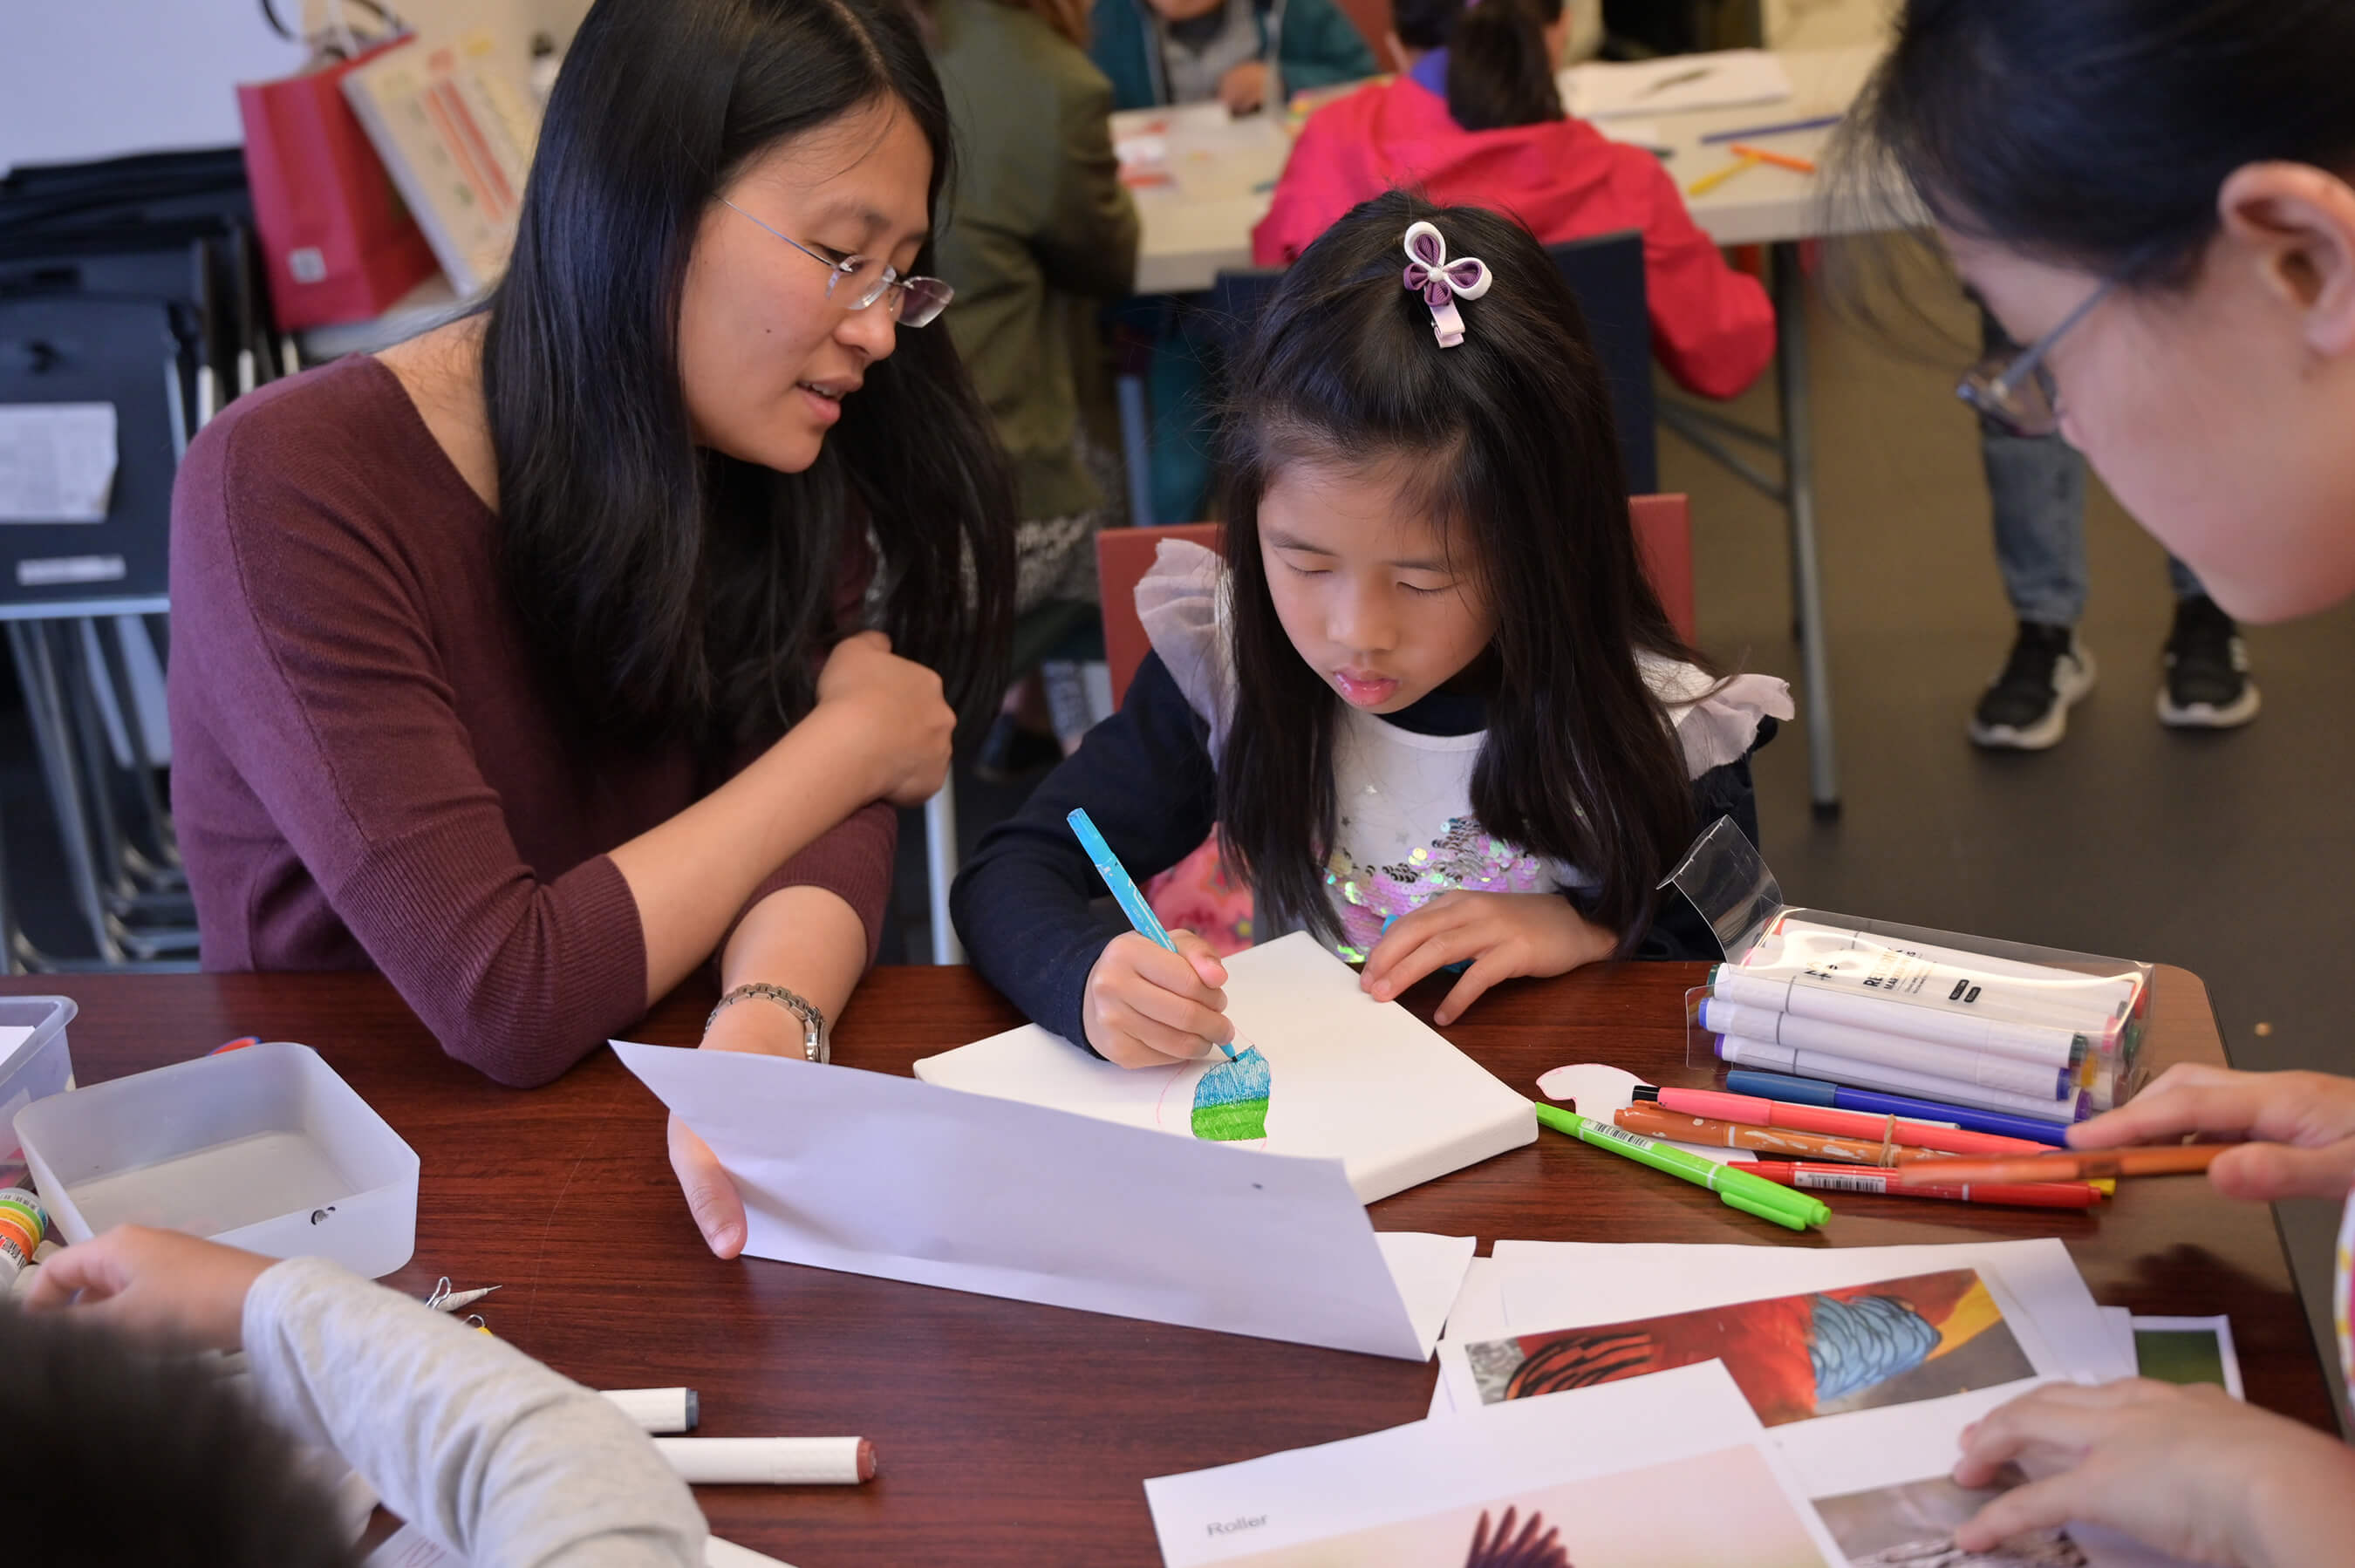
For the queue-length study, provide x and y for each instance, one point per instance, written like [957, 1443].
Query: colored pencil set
[1967, 1033]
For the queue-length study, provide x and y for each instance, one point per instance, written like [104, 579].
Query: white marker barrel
[1982, 1067]
[2083, 1004]
[1843, 1001]
[2116, 993]
[1890, 1080]
[770, 1461]
[658, 1410]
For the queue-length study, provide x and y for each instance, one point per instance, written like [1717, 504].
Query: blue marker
[1124, 891]
[1816, 1092]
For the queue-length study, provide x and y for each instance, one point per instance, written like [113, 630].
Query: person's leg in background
[2207, 684]
[2037, 486]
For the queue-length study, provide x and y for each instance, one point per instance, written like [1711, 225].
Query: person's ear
[1395, 47]
[2297, 223]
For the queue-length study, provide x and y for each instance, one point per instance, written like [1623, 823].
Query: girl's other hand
[159, 1285]
[1147, 1007]
[2301, 1125]
[2191, 1471]
[903, 723]
[1502, 935]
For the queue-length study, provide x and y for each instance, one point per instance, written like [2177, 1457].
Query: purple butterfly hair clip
[1441, 281]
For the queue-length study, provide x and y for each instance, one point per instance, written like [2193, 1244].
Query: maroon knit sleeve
[321, 686]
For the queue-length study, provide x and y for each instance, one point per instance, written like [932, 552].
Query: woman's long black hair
[1511, 434]
[1499, 72]
[2095, 134]
[669, 592]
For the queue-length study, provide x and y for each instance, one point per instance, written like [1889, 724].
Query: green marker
[1735, 1188]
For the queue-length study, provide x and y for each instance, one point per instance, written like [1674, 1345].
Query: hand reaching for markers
[159, 1285]
[2301, 1127]
[1501, 935]
[2191, 1471]
[1147, 1007]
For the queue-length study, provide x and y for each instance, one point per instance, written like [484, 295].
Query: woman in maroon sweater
[523, 661]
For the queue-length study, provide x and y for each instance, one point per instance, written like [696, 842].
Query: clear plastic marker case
[2010, 1027]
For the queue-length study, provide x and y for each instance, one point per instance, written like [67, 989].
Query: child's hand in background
[1244, 89]
[1502, 935]
[2301, 1125]
[1147, 1007]
[158, 1284]
[2191, 1471]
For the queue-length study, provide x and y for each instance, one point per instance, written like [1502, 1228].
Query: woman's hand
[2305, 1122]
[1502, 935]
[1147, 1007]
[2191, 1471]
[1244, 89]
[904, 724]
[751, 1025]
[159, 1285]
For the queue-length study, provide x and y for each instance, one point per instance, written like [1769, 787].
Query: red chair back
[1663, 526]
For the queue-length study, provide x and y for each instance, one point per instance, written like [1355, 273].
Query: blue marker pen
[1795, 1091]
[1124, 891]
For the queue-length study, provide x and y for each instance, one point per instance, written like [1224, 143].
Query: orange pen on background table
[2088, 1165]
[1868, 1178]
[1779, 160]
[1655, 1123]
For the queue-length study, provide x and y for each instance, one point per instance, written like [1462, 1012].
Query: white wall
[91, 79]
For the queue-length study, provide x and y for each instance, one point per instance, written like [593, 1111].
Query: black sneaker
[2208, 685]
[2025, 709]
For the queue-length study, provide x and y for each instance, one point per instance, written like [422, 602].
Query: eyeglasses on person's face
[857, 281]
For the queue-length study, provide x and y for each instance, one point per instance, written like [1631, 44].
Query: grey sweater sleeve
[482, 1448]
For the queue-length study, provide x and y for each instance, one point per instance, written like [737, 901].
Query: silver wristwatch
[816, 1045]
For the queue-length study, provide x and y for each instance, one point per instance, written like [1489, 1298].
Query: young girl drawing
[1428, 696]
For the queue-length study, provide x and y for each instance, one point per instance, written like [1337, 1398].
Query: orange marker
[2092, 1164]
[1654, 1122]
[1779, 160]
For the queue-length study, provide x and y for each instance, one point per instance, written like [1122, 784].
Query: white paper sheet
[1364, 1082]
[2220, 1329]
[2120, 1322]
[880, 1175]
[1674, 84]
[1392, 1481]
[56, 462]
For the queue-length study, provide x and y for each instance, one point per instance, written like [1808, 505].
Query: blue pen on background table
[1124, 891]
[1816, 1092]
[1750, 133]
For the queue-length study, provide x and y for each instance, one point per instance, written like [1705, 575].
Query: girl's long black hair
[1511, 436]
[669, 592]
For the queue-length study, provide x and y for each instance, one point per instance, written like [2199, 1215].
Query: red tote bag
[340, 244]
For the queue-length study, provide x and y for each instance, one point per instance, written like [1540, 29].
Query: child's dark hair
[1510, 437]
[1498, 70]
[140, 1458]
[2095, 133]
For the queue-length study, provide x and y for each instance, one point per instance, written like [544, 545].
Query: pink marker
[1761, 1112]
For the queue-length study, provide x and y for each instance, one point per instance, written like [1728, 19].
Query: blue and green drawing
[1230, 1101]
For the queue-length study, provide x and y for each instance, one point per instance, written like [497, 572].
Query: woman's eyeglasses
[914, 302]
[2013, 388]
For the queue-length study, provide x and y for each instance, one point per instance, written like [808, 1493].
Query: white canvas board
[1352, 1079]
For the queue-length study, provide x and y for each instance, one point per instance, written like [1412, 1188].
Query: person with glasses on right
[2157, 197]
[2036, 484]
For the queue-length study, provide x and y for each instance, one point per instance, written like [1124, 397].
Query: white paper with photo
[1478, 1313]
[875, 1174]
[1554, 1285]
[1844, 1452]
[1386, 1478]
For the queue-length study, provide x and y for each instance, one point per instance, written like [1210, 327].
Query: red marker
[1758, 1113]
[1875, 1178]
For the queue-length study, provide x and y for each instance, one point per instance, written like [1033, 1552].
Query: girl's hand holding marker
[1147, 1007]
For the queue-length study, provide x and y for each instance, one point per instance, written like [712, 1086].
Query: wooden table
[1011, 1432]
